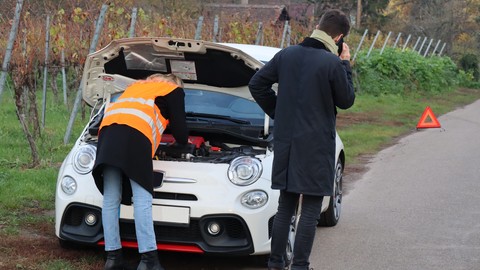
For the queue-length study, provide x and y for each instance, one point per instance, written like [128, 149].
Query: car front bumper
[233, 238]
[183, 208]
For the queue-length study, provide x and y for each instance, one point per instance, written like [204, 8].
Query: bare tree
[23, 83]
[23, 72]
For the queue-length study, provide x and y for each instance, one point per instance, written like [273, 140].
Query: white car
[216, 199]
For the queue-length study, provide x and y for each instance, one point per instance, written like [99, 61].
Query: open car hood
[194, 61]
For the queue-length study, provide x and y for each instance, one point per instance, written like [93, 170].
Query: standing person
[312, 81]
[130, 133]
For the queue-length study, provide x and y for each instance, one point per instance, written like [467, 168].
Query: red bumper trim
[169, 247]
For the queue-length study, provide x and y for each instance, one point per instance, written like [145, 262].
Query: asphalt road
[417, 207]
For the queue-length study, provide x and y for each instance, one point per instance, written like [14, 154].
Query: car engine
[202, 147]
[200, 150]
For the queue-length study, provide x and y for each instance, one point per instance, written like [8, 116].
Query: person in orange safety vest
[130, 132]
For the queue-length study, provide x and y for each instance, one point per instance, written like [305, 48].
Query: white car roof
[259, 52]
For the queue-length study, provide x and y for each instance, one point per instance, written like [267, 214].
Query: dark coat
[126, 148]
[312, 82]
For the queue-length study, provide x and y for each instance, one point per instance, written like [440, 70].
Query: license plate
[176, 215]
[171, 214]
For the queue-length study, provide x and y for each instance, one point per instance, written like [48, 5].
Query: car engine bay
[200, 150]
[204, 146]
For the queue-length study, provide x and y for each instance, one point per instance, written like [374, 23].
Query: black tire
[331, 217]
[288, 257]
[291, 237]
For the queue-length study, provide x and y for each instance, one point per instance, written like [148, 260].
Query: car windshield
[219, 106]
[204, 103]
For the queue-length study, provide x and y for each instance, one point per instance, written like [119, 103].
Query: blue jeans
[142, 211]
[307, 225]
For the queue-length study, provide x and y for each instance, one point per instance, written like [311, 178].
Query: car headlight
[84, 159]
[68, 185]
[254, 199]
[244, 171]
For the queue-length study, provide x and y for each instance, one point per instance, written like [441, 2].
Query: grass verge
[376, 121]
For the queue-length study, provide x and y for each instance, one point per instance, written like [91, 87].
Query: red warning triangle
[428, 119]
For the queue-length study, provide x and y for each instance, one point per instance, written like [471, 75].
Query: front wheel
[330, 217]
[292, 233]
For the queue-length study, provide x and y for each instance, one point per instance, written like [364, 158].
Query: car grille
[235, 229]
[174, 196]
[74, 216]
[234, 237]
[164, 233]
[191, 233]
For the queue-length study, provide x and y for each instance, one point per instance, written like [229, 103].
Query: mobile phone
[340, 46]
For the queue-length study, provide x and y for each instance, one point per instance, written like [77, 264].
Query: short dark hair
[334, 22]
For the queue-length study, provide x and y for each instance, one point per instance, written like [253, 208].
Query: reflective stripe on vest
[136, 108]
[156, 134]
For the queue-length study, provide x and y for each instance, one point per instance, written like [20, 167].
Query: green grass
[22, 188]
[57, 265]
[365, 139]
[375, 121]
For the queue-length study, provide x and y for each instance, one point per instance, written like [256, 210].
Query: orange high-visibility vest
[136, 108]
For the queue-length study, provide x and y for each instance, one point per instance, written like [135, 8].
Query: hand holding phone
[340, 45]
[344, 53]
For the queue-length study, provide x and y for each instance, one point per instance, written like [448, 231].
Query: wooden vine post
[78, 98]
[45, 70]
[11, 41]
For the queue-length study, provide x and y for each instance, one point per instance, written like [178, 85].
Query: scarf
[325, 39]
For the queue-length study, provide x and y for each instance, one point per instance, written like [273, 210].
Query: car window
[210, 102]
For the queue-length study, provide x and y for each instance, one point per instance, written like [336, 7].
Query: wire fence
[435, 50]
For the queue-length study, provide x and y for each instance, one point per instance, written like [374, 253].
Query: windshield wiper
[218, 116]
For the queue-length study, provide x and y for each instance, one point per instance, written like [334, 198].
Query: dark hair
[334, 22]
